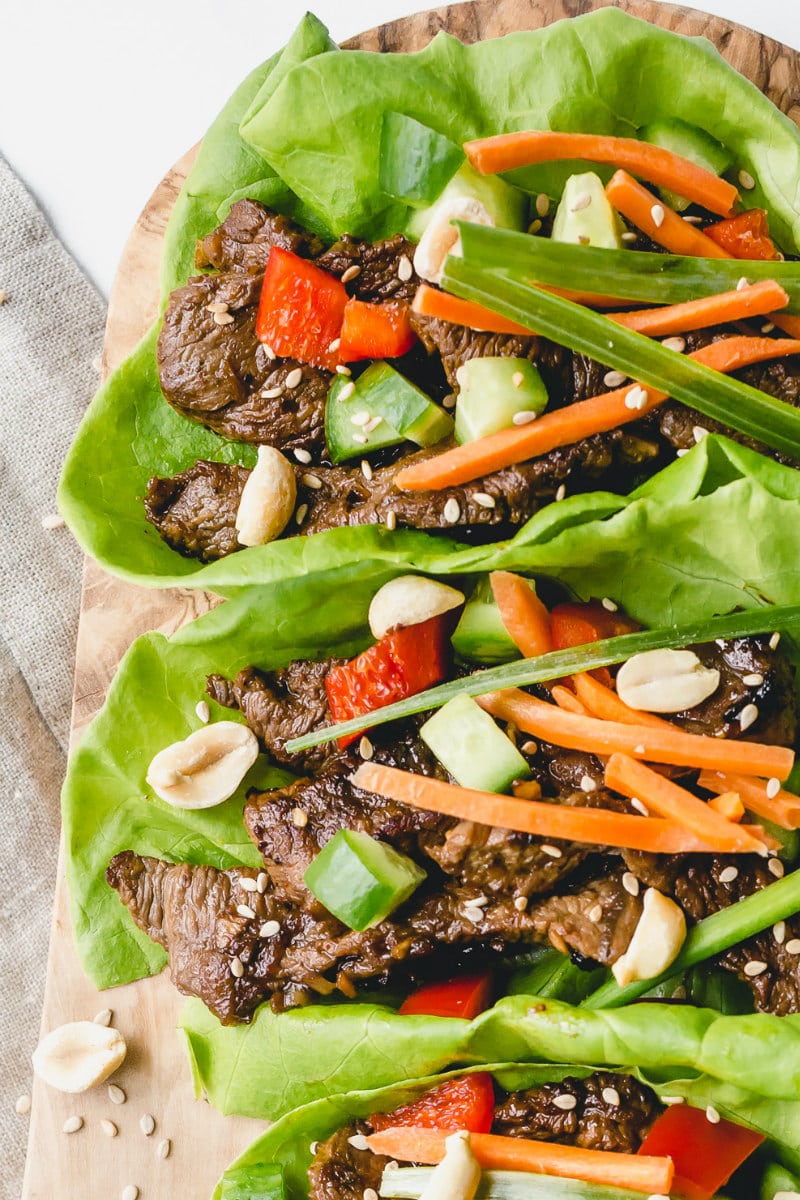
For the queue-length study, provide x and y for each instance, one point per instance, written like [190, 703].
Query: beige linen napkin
[51, 330]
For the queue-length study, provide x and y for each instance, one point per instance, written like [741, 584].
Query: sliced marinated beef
[376, 272]
[342, 1171]
[596, 922]
[703, 885]
[195, 511]
[244, 239]
[750, 675]
[612, 1112]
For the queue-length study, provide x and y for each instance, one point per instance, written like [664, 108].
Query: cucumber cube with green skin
[416, 162]
[492, 391]
[480, 635]
[584, 216]
[361, 880]
[388, 408]
[472, 747]
[689, 142]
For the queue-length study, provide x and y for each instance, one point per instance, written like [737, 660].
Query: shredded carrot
[567, 700]
[625, 775]
[430, 302]
[754, 301]
[671, 746]
[601, 701]
[525, 618]
[781, 809]
[728, 805]
[787, 323]
[593, 826]
[572, 424]
[507, 151]
[655, 218]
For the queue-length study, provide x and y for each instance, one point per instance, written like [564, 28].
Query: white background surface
[98, 98]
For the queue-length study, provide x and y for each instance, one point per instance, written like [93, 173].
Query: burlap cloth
[51, 330]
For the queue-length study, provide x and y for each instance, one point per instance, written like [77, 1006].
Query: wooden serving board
[155, 1077]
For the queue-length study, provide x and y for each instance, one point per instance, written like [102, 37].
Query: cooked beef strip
[596, 922]
[244, 239]
[619, 1124]
[339, 1171]
[379, 267]
[195, 511]
[737, 659]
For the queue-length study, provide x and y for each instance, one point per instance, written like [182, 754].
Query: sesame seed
[699, 432]
[261, 882]
[72, 1125]
[449, 401]
[108, 1128]
[164, 1148]
[767, 327]
[269, 929]
[746, 180]
[462, 378]
[311, 481]
[752, 969]
[372, 424]
[657, 213]
[358, 1142]
[52, 521]
[518, 379]
[535, 226]
[22, 1105]
[670, 1100]
[360, 439]
[147, 1124]
[611, 1096]
[629, 236]
[774, 640]
[712, 1115]
[247, 884]
[595, 914]
[334, 345]
[551, 851]
[473, 913]
[754, 680]
[341, 369]
[314, 1147]
[452, 511]
[614, 379]
[565, 1102]
[217, 306]
[366, 748]
[405, 268]
[270, 353]
[223, 318]
[588, 784]
[391, 520]
[366, 469]
[561, 491]
[581, 202]
[776, 868]
[640, 808]
[609, 604]
[630, 883]
[793, 946]
[299, 818]
[359, 419]
[370, 1194]
[525, 417]
[116, 1094]
[294, 378]
[530, 747]
[4, 297]
[520, 903]
[748, 716]
[237, 967]
[636, 398]
[244, 910]
[131, 1192]
[542, 204]
[272, 393]
[742, 284]
[346, 392]
[678, 344]
[483, 499]
[773, 787]
[779, 932]
[301, 514]
[202, 711]
[639, 750]
[103, 1017]
[692, 220]
[728, 874]
[351, 273]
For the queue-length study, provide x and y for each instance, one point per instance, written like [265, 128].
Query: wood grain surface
[88, 1165]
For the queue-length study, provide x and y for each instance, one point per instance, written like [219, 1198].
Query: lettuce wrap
[302, 134]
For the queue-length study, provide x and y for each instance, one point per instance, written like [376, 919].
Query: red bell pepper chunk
[466, 1103]
[705, 1154]
[401, 664]
[465, 997]
[301, 310]
[578, 624]
[745, 235]
[375, 331]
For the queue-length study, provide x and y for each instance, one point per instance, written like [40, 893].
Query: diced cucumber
[584, 216]
[361, 880]
[492, 391]
[480, 635]
[506, 205]
[405, 412]
[474, 750]
[690, 142]
[410, 1182]
[416, 162]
